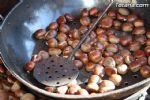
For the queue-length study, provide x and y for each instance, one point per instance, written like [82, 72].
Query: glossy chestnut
[122, 69]
[109, 62]
[85, 21]
[61, 20]
[39, 34]
[106, 22]
[52, 43]
[99, 70]
[95, 56]
[90, 66]
[50, 34]
[123, 11]
[116, 79]
[53, 26]
[54, 51]
[93, 11]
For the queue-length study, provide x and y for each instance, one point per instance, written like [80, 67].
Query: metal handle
[89, 31]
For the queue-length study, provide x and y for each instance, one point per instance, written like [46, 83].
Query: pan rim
[55, 95]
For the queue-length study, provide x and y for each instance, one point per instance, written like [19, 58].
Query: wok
[17, 44]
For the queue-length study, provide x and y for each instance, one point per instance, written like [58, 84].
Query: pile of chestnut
[104, 53]
[11, 88]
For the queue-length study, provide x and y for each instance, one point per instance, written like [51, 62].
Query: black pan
[17, 44]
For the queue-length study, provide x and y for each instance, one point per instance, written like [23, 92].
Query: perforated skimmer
[57, 71]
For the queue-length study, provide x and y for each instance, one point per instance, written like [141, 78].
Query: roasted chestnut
[67, 51]
[109, 62]
[54, 51]
[83, 29]
[117, 24]
[118, 59]
[85, 21]
[102, 38]
[125, 53]
[108, 54]
[99, 70]
[110, 70]
[43, 54]
[149, 60]
[85, 47]
[145, 71]
[62, 37]
[147, 50]
[148, 34]
[100, 31]
[93, 35]
[75, 43]
[64, 28]
[75, 34]
[128, 59]
[112, 48]
[29, 66]
[138, 23]
[78, 64]
[2, 69]
[113, 39]
[143, 60]
[139, 31]
[27, 96]
[50, 34]
[121, 17]
[95, 56]
[135, 66]
[134, 46]
[116, 79]
[50, 89]
[90, 66]
[125, 40]
[127, 27]
[53, 26]
[140, 38]
[62, 89]
[85, 12]
[112, 13]
[84, 58]
[131, 17]
[36, 58]
[61, 20]
[99, 46]
[94, 79]
[83, 92]
[122, 69]
[92, 87]
[110, 32]
[106, 85]
[78, 54]
[62, 45]
[52, 43]
[139, 53]
[73, 89]
[123, 11]
[148, 42]
[72, 83]
[39, 34]
[69, 17]
[93, 11]
[106, 22]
